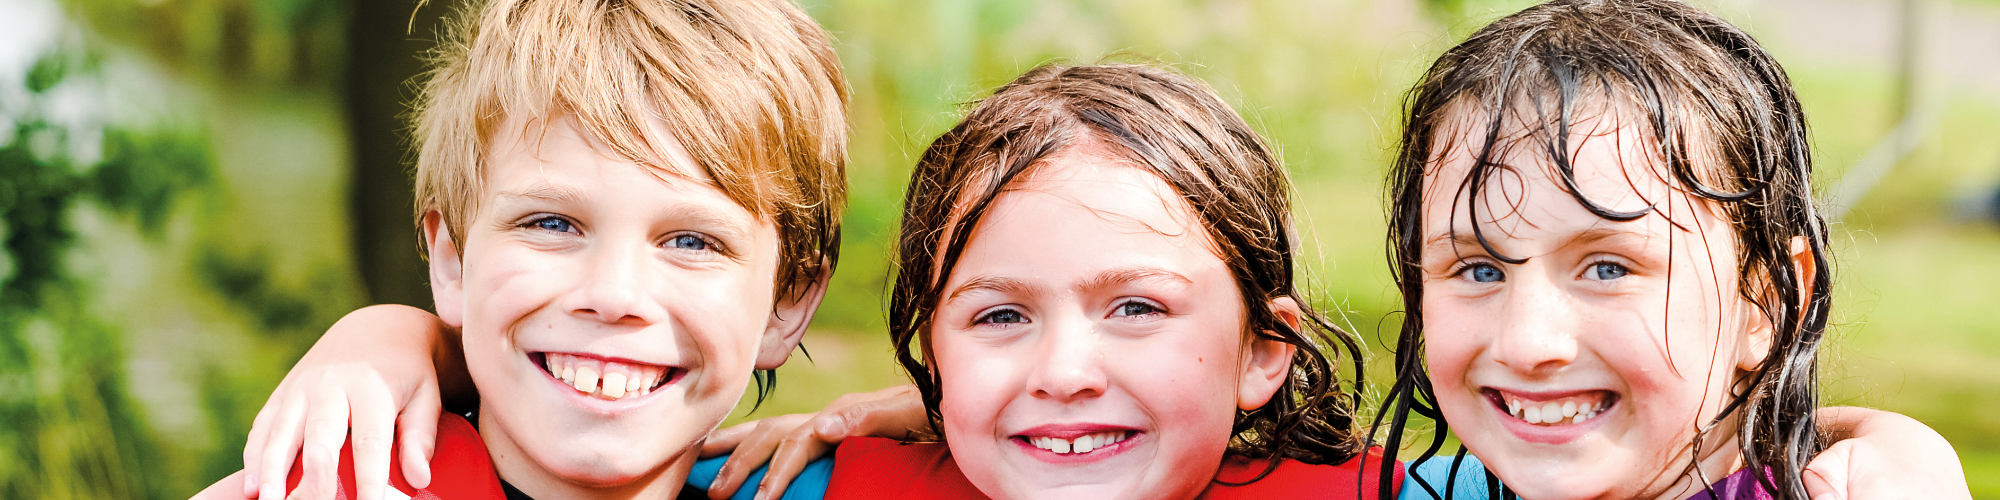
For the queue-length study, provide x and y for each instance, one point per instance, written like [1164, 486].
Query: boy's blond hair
[751, 88]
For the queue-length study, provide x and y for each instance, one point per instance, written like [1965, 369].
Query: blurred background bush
[192, 190]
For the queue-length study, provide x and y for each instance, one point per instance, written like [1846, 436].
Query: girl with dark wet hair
[1614, 276]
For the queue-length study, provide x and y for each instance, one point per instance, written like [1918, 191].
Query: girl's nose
[1071, 364]
[1535, 334]
[613, 289]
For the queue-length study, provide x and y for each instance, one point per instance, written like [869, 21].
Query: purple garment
[1739, 486]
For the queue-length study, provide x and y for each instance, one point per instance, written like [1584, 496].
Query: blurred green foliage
[73, 431]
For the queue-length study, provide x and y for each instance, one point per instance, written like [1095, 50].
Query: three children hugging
[1615, 283]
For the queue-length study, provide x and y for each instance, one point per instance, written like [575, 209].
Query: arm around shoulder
[1874, 454]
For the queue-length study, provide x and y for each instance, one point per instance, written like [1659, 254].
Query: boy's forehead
[563, 137]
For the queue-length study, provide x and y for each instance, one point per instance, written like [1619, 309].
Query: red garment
[460, 468]
[883, 468]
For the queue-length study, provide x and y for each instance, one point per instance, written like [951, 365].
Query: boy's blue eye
[1607, 271]
[1136, 308]
[1004, 316]
[556, 224]
[1484, 273]
[687, 242]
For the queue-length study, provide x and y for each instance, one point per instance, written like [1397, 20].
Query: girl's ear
[1762, 331]
[447, 272]
[1267, 362]
[789, 318]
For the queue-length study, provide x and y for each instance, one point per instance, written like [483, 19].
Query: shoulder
[884, 468]
[810, 484]
[460, 468]
[1434, 479]
[1356, 478]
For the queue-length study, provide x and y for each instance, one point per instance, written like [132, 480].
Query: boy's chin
[604, 459]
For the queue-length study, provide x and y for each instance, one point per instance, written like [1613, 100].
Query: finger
[326, 431]
[275, 466]
[752, 453]
[725, 439]
[253, 447]
[894, 419]
[374, 427]
[793, 454]
[418, 433]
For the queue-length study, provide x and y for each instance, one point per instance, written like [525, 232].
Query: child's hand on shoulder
[790, 442]
[376, 370]
[1880, 455]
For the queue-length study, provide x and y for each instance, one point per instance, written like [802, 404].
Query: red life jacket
[883, 468]
[460, 468]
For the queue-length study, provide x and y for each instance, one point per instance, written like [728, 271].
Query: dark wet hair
[1178, 129]
[1725, 126]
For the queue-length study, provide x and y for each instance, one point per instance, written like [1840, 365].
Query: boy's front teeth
[1082, 444]
[604, 379]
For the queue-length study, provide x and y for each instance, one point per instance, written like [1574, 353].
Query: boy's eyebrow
[547, 192]
[707, 219]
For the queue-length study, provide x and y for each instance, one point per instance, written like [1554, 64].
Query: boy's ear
[1267, 362]
[447, 272]
[1761, 330]
[789, 318]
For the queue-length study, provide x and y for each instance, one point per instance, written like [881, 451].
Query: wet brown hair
[1178, 129]
[1725, 127]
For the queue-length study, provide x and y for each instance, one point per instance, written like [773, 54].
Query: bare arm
[1879, 455]
[378, 369]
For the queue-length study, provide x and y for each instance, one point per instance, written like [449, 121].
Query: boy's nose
[1071, 364]
[613, 288]
[1535, 333]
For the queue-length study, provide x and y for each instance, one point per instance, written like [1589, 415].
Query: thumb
[1826, 477]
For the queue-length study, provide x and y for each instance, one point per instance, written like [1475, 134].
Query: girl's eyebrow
[1123, 275]
[1106, 279]
[1002, 285]
[1596, 233]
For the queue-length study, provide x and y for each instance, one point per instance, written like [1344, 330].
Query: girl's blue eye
[1484, 273]
[1004, 316]
[556, 224]
[1136, 308]
[687, 242]
[1607, 271]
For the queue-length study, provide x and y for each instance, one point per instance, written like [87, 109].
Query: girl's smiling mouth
[1550, 417]
[1065, 443]
[605, 379]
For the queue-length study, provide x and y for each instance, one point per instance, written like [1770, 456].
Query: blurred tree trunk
[386, 42]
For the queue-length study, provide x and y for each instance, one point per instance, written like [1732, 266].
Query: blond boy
[628, 206]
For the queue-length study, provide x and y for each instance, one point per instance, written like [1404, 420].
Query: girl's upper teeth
[1574, 410]
[1082, 444]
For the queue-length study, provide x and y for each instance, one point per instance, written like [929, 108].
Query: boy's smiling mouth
[1552, 408]
[606, 379]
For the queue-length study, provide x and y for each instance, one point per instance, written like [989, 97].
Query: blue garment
[1471, 483]
[810, 485]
